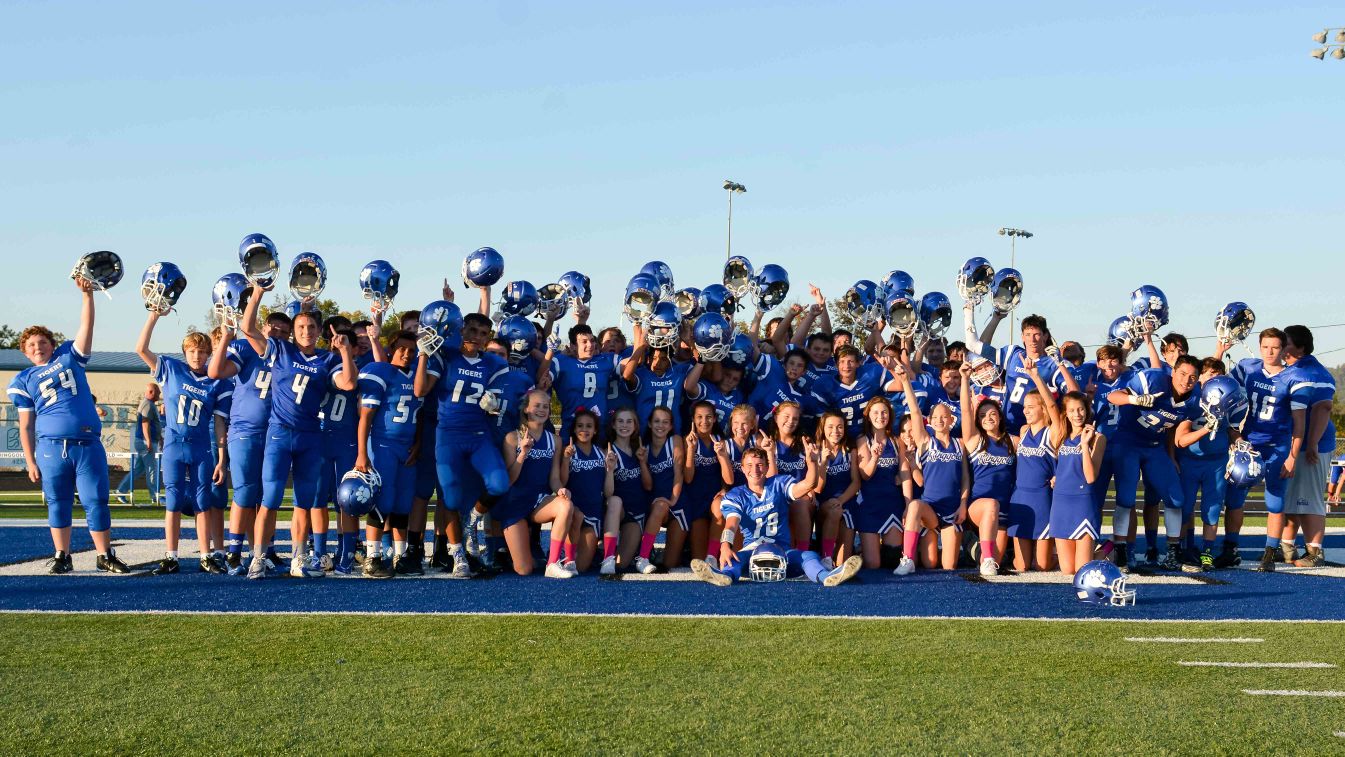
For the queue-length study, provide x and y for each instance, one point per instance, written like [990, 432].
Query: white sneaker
[828, 563]
[704, 572]
[257, 568]
[712, 561]
[570, 566]
[326, 564]
[844, 573]
[461, 568]
[989, 567]
[642, 565]
[608, 566]
[470, 535]
[556, 570]
[906, 568]
[300, 568]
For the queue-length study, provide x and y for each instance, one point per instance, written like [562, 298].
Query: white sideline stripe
[659, 616]
[676, 574]
[1056, 577]
[1293, 693]
[1340, 734]
[1181, 640]
[1328, 571]
[1295, 665]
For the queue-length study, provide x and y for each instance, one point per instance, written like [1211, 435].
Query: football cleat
[409, 563]
[1288, 553]
[1268, 560]
[1120, 556]
[556, 570]
[346, 565]
[608, 566]
[1173, 560]
[844, 573]
[1151, 557]
[462, 567]
[1206, 562]
[301, 568]
[213, 564]
[258, 568]
[234, 562]
[110, 563]
[989, 567]
[905, 568]
[60, 564]
[642, 565]
[1313, 558]
[374, 567]
[440, 559]
[702, 570]
[828, 563]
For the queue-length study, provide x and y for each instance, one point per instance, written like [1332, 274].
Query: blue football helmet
[688, 302]
[769, 563]
[861, 302]
[983, 372]
[552, 302]
[900, 314]
[936, 314]
[440, 326]
[260, 260]
[1101, 583]
[1223, 399]
[641, 296]
[293, 308]
[103, 269]
[482, 267]
[308, 276]
[1149, 308]
[379, 283]
[229, 298]
[1245, 466]
[717, 298]
[521, 336]
[1006, 291]
[518, 298]
[973, 281]
[664, 326]
[358, 492]
[740, 353]
[738, 276]
[161, 286]
[1234, 323]
[1121, 332]
[896, 281]
[770, 286]
[713, 335]
[663, 275]
[576, 286]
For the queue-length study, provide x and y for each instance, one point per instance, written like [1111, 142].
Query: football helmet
[688, 302]
[901, 315]
[861, 302]
[1223, 399]
[1121, 333]
[260, 260]
[768, 563]
[770, 287]
[308, 276]
[518, 298]
[379, 283]
[1149, 308]
[641, 296]
[440, 326]
[663, 275]
[521, 336]
[713, 335]
[229, 298]
[103, 269]
[717, 298]
[358, 492]
[576, 286]
[1006, 291]
[738, 276]
[482, 267]
[973, 281]
[1245, 467]
[552, 301]
[896, 281]
[983, 372]
[1101, 583]
[664, 326]
[936, 314]
[161, 286]
[741, 350]
[1234, 323]
[293, 308]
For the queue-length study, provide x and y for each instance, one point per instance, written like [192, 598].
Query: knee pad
[374, 519]
[399, 521]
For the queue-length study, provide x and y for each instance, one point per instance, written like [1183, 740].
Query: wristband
[727, 536]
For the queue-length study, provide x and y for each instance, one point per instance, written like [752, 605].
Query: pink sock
[828, 547]
[556, 545]
[571, 551]
[987, 549]
[712, 548]
[801, 546]
[909, 540]
[646, 545]
[608, 547]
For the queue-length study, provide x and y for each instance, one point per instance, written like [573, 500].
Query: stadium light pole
[1337, 49]
[1013, 235]
[733, 188]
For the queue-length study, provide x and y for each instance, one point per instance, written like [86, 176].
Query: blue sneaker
[346, 565]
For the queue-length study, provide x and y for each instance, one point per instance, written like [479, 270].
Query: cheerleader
[628, 486]
[784, 455]
[584, 473]
[876, 513]
[661, 461]
[838, 487]
[534, 474]
[991, 453]
[1030, 505]
[941, 471]
[701, 482]
[1079, 449]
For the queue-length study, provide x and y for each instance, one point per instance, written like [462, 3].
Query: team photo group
[508, 434]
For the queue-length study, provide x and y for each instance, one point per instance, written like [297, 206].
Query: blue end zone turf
[1234, 594]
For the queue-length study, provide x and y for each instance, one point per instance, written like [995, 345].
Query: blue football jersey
[850, 399]
[391, 391]
[583, 383]
[190, 401]
[1270, 415]
[250, 411]
[1018, 383]
[1106, 416]
[1148, 426]
[773, 387]
[509, 390]
[1084, 374]
[764, 518]
[814, 372]
[652, 390]
[1311, 370]
[59, 393]
[461, 382]
[723, 402]
[299, 384]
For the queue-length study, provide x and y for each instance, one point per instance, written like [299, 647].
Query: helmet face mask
[102, 269]
[229, 298]
[1245, 466]
[552, 301]
[688, 302]
[1149, 308]
[260, 260]
[576, 287]
[1122, 332]
[161, 286]
[379, 283]
[521, 336]
[973, 281]
[663, 278]
[861, 302]
[738, 276]
[1101, 583]
[768, 563]
[770, 287]
[713, 335]
[1006, 291]
[664, 326]
[1234, 323]
[901, 315]
[440, 326]
[308, 276]
[936, 314]
[984, 372]
[641, 297]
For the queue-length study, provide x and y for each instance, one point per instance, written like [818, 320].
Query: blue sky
[1193, 147]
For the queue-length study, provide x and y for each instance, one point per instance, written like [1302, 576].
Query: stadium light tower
[1013, 235]
[1337, 49]
[733, 188]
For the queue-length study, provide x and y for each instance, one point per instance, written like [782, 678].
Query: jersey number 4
[67, 379]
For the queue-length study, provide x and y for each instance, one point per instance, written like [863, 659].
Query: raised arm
[918, 433]
[220, 366]
[780, 340]
[142, 345]
[84, 337]
[248, 323]
[969, 431]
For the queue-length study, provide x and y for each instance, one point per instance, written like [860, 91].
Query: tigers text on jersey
[59, 393]
[724, 403]
[764, 517]
[299, 384]
[1148, 426]
[583, 383]
[461, 381]
[392, 391]
[190, 401]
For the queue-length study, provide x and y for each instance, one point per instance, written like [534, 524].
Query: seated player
[761, 509]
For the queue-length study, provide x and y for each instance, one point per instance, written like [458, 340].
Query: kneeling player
[761, 508]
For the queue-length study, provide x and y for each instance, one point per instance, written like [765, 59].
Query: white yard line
[1292, 693]
[1198, 664]
[1183, 640]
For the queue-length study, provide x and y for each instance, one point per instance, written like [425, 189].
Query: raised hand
[525, 442]
[642, 454]
[611, 459]
[721, 449]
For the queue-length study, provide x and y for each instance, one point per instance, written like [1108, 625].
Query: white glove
[490, 403]
[1144, 400]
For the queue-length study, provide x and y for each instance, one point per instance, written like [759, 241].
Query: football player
[1202, 457]
[580, 381]
[340, 417]
[1014, 359]
[853, 384]
[1304, 500]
